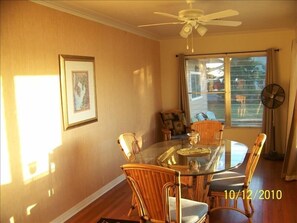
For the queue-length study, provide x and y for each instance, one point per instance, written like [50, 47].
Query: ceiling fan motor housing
[190, 14]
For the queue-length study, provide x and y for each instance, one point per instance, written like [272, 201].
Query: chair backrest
[175, 121]
[254, 158]
[152, 186]
[129, 145]
[209, 130]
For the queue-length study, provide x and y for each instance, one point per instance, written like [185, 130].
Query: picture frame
[78, 89]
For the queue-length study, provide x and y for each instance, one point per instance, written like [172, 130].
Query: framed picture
[77, 75]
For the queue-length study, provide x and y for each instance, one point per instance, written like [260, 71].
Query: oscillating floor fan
[272, 97]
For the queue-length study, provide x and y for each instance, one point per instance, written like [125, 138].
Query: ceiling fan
[194, 19]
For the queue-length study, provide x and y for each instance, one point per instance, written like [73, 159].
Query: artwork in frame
[77, 75]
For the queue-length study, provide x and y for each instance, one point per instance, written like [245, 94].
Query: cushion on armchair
[175, 122]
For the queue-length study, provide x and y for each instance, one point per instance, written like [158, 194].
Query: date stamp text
[254, 194]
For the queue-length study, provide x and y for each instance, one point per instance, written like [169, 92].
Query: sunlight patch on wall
[5, 176]
[11, 219]
[139, 80]
[149, 75]
[29, 208]
[51, 192]
[39, 120]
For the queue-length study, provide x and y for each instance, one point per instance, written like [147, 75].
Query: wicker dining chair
[158, 193]
[129, 147]
[210, 131]
[227, 187]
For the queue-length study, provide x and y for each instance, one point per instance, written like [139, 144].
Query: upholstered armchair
[174, 124]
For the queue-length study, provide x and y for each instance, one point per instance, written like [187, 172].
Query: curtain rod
[238, 52]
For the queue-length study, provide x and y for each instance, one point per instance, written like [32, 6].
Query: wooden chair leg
[188, 182]
[142, 220]
[199, 190]
[252, 207]
[206, 187]
[133, 204]
[246, 205]
[190, 192]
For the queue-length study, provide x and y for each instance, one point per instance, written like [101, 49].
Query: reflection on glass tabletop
[193, 151]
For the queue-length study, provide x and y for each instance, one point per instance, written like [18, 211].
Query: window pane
[208, 79]
[205, 79]
[194, 85]
[247, 82]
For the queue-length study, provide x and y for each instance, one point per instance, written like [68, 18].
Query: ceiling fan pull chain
[187, 40]
[192, 42]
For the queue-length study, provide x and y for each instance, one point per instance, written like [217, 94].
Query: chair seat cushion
[228, 180]
[183, 136]
[192, 211]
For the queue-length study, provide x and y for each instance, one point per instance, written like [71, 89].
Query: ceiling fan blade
[267, 94]
[278, 91]
[218, 15]
[167, 15]
[222, 23]
[268, 102]
[275, 89]
[279, 98]
[161, 24]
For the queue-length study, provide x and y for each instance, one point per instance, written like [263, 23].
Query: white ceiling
[127, 15]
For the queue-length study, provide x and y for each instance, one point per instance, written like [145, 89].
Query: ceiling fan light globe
[186, 31]
[183, 34]
[201, 30]
[187, 28]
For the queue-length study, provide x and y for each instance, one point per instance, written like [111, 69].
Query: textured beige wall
[261, 40]
[82, 160]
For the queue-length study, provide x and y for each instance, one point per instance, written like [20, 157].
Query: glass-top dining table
[200, 160]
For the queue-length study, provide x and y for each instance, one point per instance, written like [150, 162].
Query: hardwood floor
[116, 202]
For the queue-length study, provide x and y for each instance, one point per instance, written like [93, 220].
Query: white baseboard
[81, 205]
